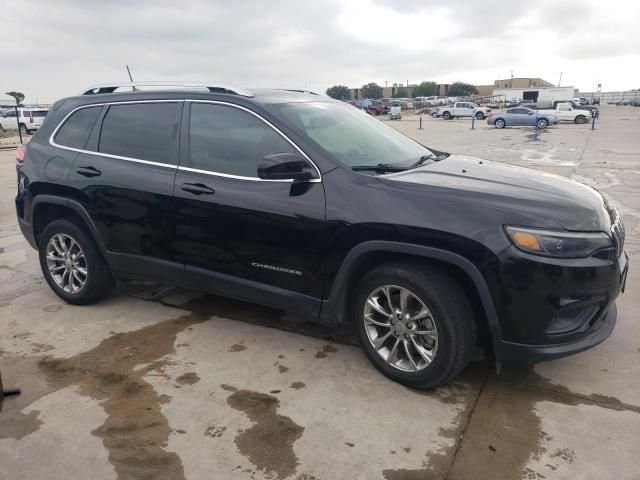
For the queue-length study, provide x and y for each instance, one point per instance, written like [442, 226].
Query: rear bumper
[27, 231]
[600, 330]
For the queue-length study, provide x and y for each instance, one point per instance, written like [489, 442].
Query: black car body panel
[302, 245]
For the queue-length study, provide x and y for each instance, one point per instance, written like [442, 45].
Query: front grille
[617, 230]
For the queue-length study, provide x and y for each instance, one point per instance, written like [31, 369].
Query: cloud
[57, 48]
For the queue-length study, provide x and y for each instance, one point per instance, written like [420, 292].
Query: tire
[23, 129]
[580, 119]
[542, 123]
[500, 123]
[98, 280]
[447, 116]
[434, 115]
[480, 116]
[451, 316]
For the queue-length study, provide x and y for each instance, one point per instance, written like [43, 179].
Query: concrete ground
[158, 383]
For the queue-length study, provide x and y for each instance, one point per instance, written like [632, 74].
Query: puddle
[135, 429]
[268, 444]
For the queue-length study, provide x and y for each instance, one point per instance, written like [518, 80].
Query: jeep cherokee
[290, 199]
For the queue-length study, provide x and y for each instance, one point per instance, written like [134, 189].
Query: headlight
[558, 244]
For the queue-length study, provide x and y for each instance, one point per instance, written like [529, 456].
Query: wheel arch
[335, 309]
[46, 208]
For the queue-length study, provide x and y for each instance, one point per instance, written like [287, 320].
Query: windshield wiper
[424, 159]
[381, 167]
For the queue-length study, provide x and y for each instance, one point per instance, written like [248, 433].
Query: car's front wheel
[415, 324]
[72, 263]
[580, 119]
[480, 116]
[542, 123]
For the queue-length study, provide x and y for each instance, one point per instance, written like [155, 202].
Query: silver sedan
[519, 116]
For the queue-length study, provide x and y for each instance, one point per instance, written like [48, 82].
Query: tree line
[423, 89]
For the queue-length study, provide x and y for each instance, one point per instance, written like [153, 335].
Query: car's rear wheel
[542, 123]
[415, 325]
[580, 119]
[500, 123]
[72, 263]
[447, 116]
[480, 116]
[23, 129]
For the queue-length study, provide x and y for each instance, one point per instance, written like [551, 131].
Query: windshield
[351, 136]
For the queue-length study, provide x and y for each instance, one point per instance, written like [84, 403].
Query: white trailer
[542, 95]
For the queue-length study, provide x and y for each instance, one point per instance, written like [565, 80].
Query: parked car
[375, 107]
[28, 119]
[566, 111]
[300, 202]
[521, 116]
[419, 102]
[549, 106]
[463, 109]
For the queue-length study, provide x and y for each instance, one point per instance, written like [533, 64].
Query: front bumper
[600, 330]
[550, 308]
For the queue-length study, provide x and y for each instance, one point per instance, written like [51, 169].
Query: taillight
[30, 117]
[20, 154]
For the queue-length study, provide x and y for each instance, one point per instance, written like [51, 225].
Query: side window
[564, 107]
[10, 114]
[228, 140]
[75, 131]
[144, 131]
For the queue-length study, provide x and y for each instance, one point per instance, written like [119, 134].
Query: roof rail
[213, 88]
[299, 90]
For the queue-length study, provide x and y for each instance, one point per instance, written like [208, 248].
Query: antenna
[129, 72]
[560, 81]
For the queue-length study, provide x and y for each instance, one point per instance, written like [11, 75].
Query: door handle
[88, 172]
[197, 188]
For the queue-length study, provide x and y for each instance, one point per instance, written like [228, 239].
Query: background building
[522, 82]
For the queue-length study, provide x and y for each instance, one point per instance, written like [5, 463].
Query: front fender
[335, 308]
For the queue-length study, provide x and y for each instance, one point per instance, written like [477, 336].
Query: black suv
[293, 200]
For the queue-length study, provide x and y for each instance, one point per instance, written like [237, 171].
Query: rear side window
[75, 131]
[39, 113]
[144, 131]
[231, 141]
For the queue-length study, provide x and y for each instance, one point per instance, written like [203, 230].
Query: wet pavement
[162, 383]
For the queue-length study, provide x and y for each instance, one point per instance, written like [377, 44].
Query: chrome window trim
[53, 143]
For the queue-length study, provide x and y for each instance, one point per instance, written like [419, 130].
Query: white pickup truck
[568, 113]
[463, 109]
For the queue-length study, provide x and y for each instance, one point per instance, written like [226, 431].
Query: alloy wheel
[401, 328]
[66, 263]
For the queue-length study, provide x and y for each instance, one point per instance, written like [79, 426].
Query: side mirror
[284, 166]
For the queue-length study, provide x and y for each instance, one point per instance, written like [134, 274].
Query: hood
[521, 196]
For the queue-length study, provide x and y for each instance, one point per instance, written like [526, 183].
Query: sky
[52, 49]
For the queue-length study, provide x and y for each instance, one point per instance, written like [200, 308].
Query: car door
[125, 175]
[518, 116]
[258, 234]
[465, 110]
[564, 111]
